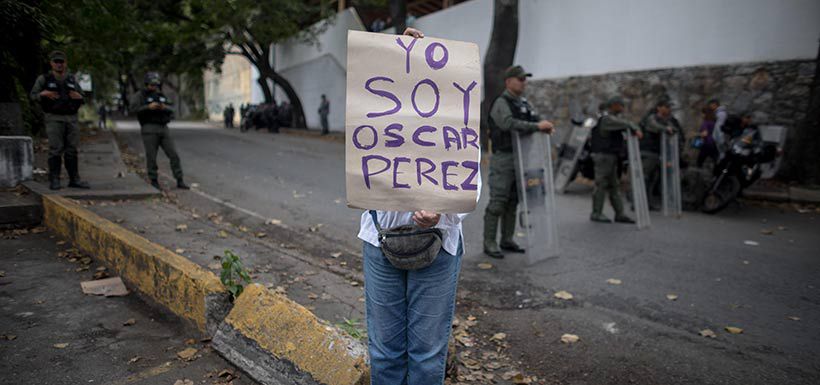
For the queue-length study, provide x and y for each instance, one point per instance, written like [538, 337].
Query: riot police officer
[654, 124]
[607, 143]
[154, 111]
[509, 112]
[60, 96]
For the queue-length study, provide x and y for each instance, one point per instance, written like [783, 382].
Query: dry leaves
[498, 337]
[273, 222]
[222, 234]
[565, 295]
[485, 266]
[184, 382]
[672, 297]
[793, 318]
[570, 338]
[613, 281]
[188, 354]
[734, 330]
[707, 333]
[61, 345]
[182, 227]
[767, 231]
[129, 322]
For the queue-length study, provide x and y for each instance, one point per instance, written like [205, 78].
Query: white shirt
[450, 225]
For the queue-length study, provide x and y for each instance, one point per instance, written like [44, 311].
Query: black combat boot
[155, 183]
[72, 166]
[54, 165]
[181, 185]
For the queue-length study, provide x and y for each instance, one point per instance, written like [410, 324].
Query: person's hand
[74, 95]
[426, 219]
[414, 33]
[670, 130]
[704, 134]
[49, 94]
[155, 106]
[639, 134]
[545, 126]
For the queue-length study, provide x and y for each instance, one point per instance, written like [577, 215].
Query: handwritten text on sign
[412, 137]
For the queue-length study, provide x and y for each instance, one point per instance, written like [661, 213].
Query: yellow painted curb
[291, 332]
[171, 280]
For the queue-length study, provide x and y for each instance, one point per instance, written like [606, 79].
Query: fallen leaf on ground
[569, 338]
[707, 333]
[261, 235]
[195, 216]
[336, 254]
[225, 373]
[485, 266]
[2, 273]
[793, 318]
[734, 330]
[134, 360]
[519, 379]
[280, 290]
[100, 275]
[563, 295]
[62, 345]
[354, 283]
[222, 234]
[767, 231]
[102, 268]
[672, 297]
[190, 341]
[273, 222]
[129, 322]
[184, 382]
[613, 281]
[8, 337]
[194, 185]
[85, 260]
[751, 243]
[312, 296]
[509, 375]
[498, 337]
[182, 227]
[243, 229]
[38, 230]
[215, 266]
[187, 354]
[781, 228]
[179, 251]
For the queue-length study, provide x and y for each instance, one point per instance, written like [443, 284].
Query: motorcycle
[741, 165]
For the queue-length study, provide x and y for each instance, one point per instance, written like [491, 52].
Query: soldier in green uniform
[60, 96]
[607, 143]
[154, 112]
[658, 121]
[510, 112]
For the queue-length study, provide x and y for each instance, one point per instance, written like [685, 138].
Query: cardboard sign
[412, 123]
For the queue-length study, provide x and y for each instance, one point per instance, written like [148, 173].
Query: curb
[165, 278]
[273, 339]
[274, 336]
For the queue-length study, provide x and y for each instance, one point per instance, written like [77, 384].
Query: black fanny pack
[408, 247]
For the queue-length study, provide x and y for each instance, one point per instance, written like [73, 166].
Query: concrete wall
[233, 85]
[16, 160]
[560, 38]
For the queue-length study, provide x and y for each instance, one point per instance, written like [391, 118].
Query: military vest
[147, 116]
[63, 105]
[521, 110]
[607, 142]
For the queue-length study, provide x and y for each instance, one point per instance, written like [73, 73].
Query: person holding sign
[510, 112]
[412, 153]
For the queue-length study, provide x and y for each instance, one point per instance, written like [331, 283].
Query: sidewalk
[52, 333]
[101, 166]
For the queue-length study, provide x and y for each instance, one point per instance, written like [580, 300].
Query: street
[640, 298]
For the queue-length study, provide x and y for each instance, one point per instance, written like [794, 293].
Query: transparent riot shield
[536, 194]
[670, 175]
[567, 167]
[638, 185]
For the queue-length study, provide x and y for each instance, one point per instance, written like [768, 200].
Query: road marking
[225, 203]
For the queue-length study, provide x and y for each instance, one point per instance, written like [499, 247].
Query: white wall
[561, 38]
[319, 69]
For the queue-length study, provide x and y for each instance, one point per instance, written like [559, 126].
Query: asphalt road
[726, 270]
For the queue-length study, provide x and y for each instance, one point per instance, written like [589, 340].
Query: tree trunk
[500, 56]
[804, 140]
[398, 12]
[266, 89]
[298, 119]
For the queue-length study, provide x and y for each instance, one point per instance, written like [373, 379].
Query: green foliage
[233, 275]
[353, 328]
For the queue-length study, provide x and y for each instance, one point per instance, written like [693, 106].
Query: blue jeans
[409, 318]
